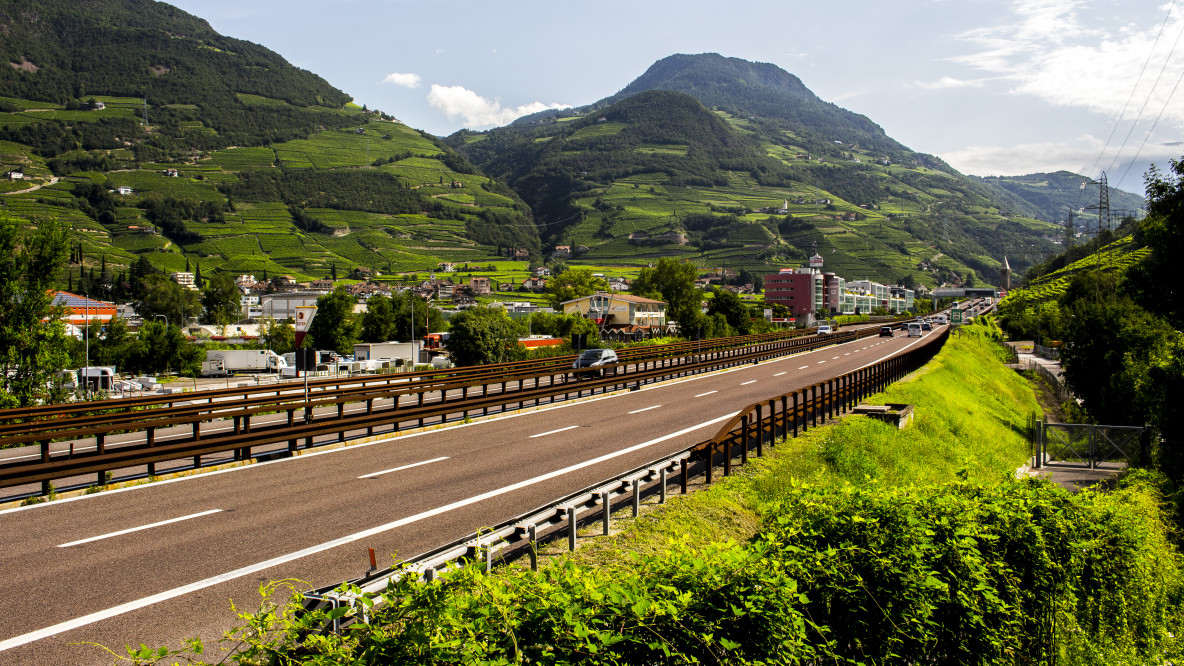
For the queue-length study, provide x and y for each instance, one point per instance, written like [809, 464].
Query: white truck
[225, 362]
[408, 352]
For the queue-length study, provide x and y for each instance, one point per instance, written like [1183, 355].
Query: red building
[800, 291]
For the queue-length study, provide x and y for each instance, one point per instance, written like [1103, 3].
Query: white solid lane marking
[803, 367]
[97, 616]
[781, 373]
[707, 393]
[748, 382]
[137, 529]
[399, 469]
[643, 409]
[552, 432]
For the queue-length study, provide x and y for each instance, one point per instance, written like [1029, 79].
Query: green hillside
[1057, 195]
[658, 174]
[245, 163]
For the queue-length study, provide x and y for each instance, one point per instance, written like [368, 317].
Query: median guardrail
[285, 424]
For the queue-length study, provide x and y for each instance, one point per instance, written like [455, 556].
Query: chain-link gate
[1084, 444]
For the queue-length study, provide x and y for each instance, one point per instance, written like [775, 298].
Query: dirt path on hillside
[52, 180]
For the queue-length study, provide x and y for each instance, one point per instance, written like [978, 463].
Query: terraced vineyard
[743, 192]
[261, 236]
[1114, 258]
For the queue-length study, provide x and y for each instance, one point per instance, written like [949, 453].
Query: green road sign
[955, 316]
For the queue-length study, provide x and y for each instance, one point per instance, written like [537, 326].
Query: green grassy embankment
[854, 543]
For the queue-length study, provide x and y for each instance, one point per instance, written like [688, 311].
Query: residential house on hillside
[185, 279]
[16, 174]
[479, 286]
[321, 285]
[542, 271]
[534, 284]
[125, 190]
[284, 284]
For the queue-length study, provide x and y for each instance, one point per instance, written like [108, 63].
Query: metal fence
[754, 427]
[1085, 444]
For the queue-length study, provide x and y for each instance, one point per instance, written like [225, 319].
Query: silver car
[592, 361]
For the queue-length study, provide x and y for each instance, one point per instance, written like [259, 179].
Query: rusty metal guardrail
[189, 432]
[750, 429]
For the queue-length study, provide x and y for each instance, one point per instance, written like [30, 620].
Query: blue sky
[994, 87]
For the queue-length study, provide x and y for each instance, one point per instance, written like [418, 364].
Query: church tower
[1005, 275]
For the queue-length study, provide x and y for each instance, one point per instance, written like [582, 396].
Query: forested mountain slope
[231, 158]
[633, 177]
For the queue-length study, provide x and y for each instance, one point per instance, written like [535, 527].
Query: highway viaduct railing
[106, 439]
[753, 427]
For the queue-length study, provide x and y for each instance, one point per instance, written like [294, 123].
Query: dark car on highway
[592, 362]
[886, 332]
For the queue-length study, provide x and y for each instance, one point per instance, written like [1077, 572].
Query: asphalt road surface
[160, 562]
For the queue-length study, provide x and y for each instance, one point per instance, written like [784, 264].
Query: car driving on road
[592, 362]
[914, 330]
[824, 330]
[886, 332]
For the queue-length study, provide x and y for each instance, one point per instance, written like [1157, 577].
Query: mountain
[230, 158]
[645, 173]
[1057, 195]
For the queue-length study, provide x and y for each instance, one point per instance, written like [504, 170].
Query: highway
[160, 562]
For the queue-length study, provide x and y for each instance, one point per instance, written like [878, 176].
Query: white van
[914, 330]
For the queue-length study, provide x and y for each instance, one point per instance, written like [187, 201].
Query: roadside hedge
[1017, 572]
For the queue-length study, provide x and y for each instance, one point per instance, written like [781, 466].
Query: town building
[534, 284]
[621, 315]
[807, 290]
[185, 279]
[80, 309]
[281, 306]
[479, 286]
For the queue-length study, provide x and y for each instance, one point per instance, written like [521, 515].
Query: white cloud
[951, 82]
[1025, 158]
[1049, 53]
[405, 80]
[478, 112]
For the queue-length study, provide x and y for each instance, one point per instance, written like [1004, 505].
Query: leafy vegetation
[1117, 320]
[856, 543]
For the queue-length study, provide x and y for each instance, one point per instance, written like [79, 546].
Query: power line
[1148, 100]
[1165, 106]
[1133, 89]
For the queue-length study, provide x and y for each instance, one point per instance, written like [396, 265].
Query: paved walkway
[1071, 476]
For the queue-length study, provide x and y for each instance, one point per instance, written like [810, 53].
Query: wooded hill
[753, 182]
[236, 160]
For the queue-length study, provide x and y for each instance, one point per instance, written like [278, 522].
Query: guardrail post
[784, 416]
[727, 454]
[291, 422]
[605, 508]
[814, 391]
[636, 497]
[150, 437]
[683, 475]
[745, 444]
[710, 460]
[571, 528]
[662, 484]
[532, 536]
[795, 412]
[101, 448]
[484, 394]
